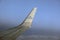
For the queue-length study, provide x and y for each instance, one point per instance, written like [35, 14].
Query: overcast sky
[13, 12]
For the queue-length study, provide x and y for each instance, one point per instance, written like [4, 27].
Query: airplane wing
[13, 33]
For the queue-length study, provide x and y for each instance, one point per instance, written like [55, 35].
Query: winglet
[28, 20]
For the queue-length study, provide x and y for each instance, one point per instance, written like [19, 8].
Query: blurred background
[46, 21]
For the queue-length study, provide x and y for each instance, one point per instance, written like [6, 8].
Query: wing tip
[35, 7]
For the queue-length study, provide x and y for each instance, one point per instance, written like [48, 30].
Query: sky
[13, 12]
